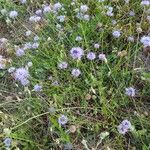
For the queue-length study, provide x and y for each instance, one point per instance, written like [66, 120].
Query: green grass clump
[95, 103]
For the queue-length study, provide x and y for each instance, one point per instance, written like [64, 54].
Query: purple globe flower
[27, 46]
[7, 142]
[35, 18]
[36, 38]
[57, 6]
[22, 75]
[55, 83]
[91, 56]
[38, 12]
[130, 39]
[132, 13]
[20, 52]
[126, 124]
[35, 45]
[116, 33]
[25, 82]
[84, 8]
[86, 17]
[130, 91]
[23, 1]
[124, 127]
[47, 9]
[76, 53]
[75, 72]
[78, 38]
[145, 40]
[145, 3]
[28, 33]
[96, 46]
[13, 14]
[61, 18]
[37, 88]
[102, 57]
[62, 120]
[63, 65]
